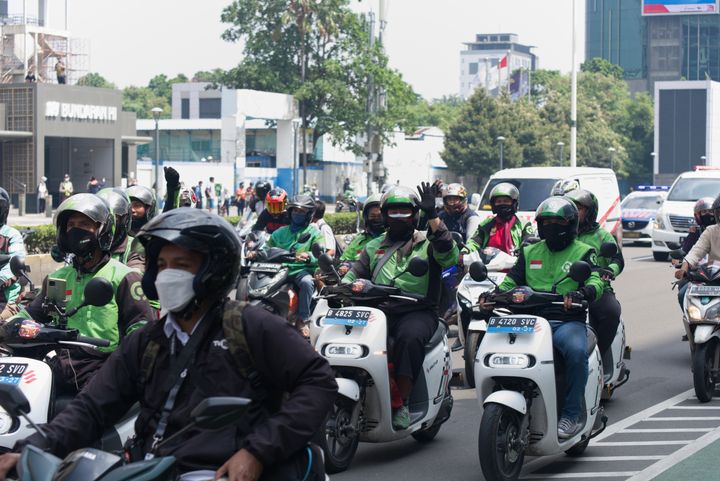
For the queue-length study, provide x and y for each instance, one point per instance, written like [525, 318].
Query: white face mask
[175, 289]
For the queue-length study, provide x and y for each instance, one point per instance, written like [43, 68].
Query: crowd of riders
[171, 274]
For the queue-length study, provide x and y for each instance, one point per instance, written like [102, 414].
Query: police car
[638, 212]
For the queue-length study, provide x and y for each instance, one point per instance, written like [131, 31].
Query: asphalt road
[660, 370]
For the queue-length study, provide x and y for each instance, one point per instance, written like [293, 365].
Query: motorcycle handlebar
[93, 341]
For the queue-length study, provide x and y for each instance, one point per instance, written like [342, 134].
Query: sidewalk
[28, 220]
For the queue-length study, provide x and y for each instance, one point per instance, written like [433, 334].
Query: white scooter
[471, 319]
[519, 384]
[26, 344]
[354, 339]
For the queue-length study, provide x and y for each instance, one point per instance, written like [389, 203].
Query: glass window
[184, 108]
[690, 190]
[532, 192]
[473, 69]
[644, 202]
[210, 109]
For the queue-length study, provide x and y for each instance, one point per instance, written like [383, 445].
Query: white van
[535, 185]
[675, 216]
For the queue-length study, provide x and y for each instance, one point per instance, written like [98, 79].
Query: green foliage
[158, 93]
[93, 79]
[40, 240]
[342, 222]
[604, 67]
[319, 52]
[438, 113]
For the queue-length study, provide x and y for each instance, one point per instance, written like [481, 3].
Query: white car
[638, 214]
[675, 217]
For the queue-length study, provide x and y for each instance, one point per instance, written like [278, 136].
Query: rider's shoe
[401, 418]
[568, 428]
[457, 345]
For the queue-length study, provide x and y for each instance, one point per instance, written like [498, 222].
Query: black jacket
[284, 360]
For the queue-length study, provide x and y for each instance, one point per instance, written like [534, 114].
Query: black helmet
[4, 206]
[262, 188]
[302, 201]
[398, 197]
[559, 208]
[706, 203]
[144, 195]
[200, 231]
[93, 207]
[588, 200]
[119, 204]
[372, 201]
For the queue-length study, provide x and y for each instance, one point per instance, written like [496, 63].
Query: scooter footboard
[512, 399]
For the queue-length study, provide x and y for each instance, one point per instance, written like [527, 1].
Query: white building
[491, 59]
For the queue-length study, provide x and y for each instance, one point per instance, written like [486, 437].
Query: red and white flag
[503, 63]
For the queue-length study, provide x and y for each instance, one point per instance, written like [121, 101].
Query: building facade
[490, 61]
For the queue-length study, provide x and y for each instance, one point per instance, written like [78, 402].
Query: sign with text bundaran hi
[679, 7]
[67, 111]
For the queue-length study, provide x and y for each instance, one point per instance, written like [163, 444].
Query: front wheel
[660, 256]
[341, 438]
[472, 342]
[500, 445]
[705, 367]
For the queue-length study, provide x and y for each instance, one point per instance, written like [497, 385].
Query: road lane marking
[685, 418]
[616, 458]
[643, 443]
[668, 430]
[694, 408]
[611, 474]
[674, 458]
[643, 258]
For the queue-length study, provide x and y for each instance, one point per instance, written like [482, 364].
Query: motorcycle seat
[591, 340]
[436, 338]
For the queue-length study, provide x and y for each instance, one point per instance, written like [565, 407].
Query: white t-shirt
[327, 233]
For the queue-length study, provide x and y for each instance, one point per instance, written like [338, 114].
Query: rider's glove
[172, 178]
[427, 199]
[344, 268]
[361, 286]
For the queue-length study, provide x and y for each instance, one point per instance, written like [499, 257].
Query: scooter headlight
[694, 314]
[713, 314]
[344, 351]
[508, 361]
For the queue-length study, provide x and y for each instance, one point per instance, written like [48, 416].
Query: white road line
[611, 474]
[615, 458]
[642, 258]
[643, 443]
[672, 459]
[668, 430]
[694, 408]
[684, 418]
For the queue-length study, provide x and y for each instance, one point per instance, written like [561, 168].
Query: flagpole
[573, 95]
[509, 72]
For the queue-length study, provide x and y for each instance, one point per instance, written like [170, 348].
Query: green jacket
[539, 268]
[518, 232]
[356, 247]
[438, 249]
[285, 238]
[127, 311]
[595, 238]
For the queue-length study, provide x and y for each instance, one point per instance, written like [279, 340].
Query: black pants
[605, 319]
[410, 333]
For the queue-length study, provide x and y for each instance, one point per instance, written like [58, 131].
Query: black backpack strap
[234, 330]
[147, 363]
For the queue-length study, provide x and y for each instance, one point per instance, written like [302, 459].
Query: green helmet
[91, 206]
[588, 200]
[505, 189]
[562, 187]
[558, 208]
[119, 204]
[372, 201]
[398, 197]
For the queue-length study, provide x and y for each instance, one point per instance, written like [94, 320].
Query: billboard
[679, 7]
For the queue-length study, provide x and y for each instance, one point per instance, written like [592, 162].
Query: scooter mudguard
[703, 333]
[158, 469]
[477, 326]
[348, 388]
[512, 399]
[37, 465]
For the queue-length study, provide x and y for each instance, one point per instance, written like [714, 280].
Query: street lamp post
[611, 151]
[500, 140]
[156, 112]
[296, 124]
[560, 150]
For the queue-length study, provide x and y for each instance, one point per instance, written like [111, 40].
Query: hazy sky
[133, 40]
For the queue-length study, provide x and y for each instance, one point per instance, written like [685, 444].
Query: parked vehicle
[639, 209]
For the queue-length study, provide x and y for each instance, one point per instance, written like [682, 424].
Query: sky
[133, 40]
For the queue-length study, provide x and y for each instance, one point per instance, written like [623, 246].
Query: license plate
[11, 373]
[631, 235]
[347, 317]
[704, 290]
[265, 267]
[512, 324]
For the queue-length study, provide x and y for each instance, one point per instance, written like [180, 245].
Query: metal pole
[573, 96]
[501, 155]
[157, 158]
[295, 160]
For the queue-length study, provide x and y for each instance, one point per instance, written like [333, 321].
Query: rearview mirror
[478, 271]
[326, 263]
[608, 249]
[316, 250]
[677, 254]
[18, 266]
[417, 267]
[219, 412]
[674, 246]
[458, 238]
[98, 292]
[580, 271]
[475, 199]
[13, 400]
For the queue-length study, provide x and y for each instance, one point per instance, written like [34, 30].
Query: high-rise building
[490, 62]
[655, 40]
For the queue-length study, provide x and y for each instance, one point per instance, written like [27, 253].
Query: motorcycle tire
[499, 427]
[241, 291]
[426, 435]
[472, 342]
[705, 361]
[339, 450]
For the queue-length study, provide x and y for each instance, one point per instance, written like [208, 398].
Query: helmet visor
[275, 207]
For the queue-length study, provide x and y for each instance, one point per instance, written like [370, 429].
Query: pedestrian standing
[66, 187]
[199, 194]
[42, 193]
[93, 186]
[210, 195]
[240, 198]
[60, 71]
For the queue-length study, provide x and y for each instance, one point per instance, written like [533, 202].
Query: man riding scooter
[374, 228]
[143, 206]
[122, 244]
[605, 313]
[275, 215]
[11, 244]
[547, 263]
[455, 214]
[384, 262]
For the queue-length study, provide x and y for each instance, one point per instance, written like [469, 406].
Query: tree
[320, 53]
[95, 80]
[602, 66]
[440, 112]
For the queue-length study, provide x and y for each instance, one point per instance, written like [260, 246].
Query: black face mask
[557, 237]
[375, 226]
[81, 242]
[707, 219]
[399, 230]
[505, 212]
[137, 223]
